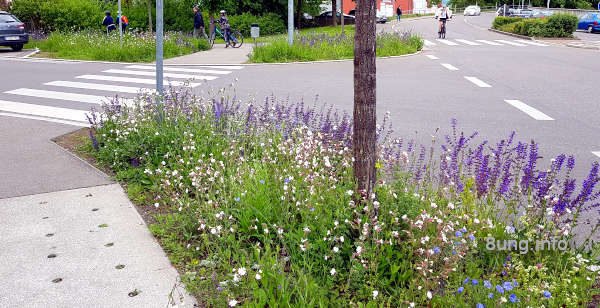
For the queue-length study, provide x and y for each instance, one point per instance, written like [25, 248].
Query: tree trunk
[342, 9]
[365, 118]
[299, 14]
[149, 4]
[334, 12]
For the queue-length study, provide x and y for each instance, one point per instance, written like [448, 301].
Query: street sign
[254, 31]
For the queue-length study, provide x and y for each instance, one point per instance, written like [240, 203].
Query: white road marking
[531, 43]
[447, 42]
[510, 43]
[135, 80]
[596, 153]
[449, 66]
[22, 116]
[97, 86]
[74, 97]
[532, 112]
[153, 74]
[429, 43]
[223, 67]
[432, 57]
[478, 82]
[177, 69]
[490, 43]
[44, 111]
[468, 42]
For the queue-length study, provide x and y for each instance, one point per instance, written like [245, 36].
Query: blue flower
[262, 181]
[463, 230]
[458, 234]
[513, 298]
[507, 286]
[460, 290]
[453, 252]
[466, 280]
[237, 199]
[472, 237]
[547, 294]
[436, 250]
[491, 295]
[475, 282]
[479, 305]
[487, 284]
[500, 289]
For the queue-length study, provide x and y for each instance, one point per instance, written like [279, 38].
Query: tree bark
[334, 12]
[149, 4]
[299, 14]
[342, 20]
[365, 118]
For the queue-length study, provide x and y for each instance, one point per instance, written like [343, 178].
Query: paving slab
[217, 55]
[82, 248]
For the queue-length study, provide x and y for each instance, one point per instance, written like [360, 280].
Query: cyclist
[224, 22]
[442, 14]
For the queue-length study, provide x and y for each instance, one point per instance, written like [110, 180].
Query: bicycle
[234, 36]
[442, 33]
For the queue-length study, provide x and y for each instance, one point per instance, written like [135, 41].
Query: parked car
[541, 13]
[472, 10]
[326, 19]
[12, 32]
[380, 19]
[589, 22]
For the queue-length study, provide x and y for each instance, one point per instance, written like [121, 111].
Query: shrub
[502, 20]
[562, 25]
[558, 25]
[269, 23]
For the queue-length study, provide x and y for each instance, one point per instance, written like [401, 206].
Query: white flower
[233, 302]
[594, 268]
[503, 299]
[476, 221]
[241, 271]
[375, 293]
[349, 192]
[258, 277]
[335, 249]
[358, 250]
[429, 295]
[341, 239]
[433, 205]
[451, 205]
[333, 272]
[306, 229]
[412, 304]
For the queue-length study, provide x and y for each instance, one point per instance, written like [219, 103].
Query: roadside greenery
[92, 45]
[255, 205]
[558, 25]
[323, 46]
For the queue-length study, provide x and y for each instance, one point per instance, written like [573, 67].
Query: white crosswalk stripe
[136, 80]
[447, 42]
[467, 42]
[510, 43]
[429, 43]
[532, 43]
[178, 69]
[490, 43]
[153, 74]
[65, 96]
[45, 111]
[98, 86]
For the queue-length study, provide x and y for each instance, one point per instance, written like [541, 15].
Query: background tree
[334, 12]
[365, 119]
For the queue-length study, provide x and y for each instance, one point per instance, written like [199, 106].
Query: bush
[502, 20]
[558, 25]
[269, 23]
[562, 25]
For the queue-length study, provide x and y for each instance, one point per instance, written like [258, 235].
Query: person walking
[199, 23]
[398, 13]
[109, 22]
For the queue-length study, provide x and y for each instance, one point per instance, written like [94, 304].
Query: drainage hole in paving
[57, 280]
[50, 235]
[95, 209]
[102, 226]
[45, 217]
[134, 293]
[52, 256]
[120, 266]
[109, 244]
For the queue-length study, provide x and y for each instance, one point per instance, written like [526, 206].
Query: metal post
[159, 47]
[290, 22]
[120, 24]
[548, 4]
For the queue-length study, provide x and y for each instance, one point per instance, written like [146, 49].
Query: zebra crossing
[463, 42]
[81, 93]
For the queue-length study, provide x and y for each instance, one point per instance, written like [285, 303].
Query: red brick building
[384, 7]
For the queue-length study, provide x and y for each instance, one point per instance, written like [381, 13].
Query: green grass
[98, 46]
[326, 45]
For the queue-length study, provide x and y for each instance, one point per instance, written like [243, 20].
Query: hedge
[269, 23]
[558, 25]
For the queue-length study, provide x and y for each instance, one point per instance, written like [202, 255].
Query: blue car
[12, 32]
[589, 22]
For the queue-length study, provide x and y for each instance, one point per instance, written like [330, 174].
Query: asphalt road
[489, 82]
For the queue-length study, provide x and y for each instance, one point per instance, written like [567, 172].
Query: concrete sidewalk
[215, 56]
[82, 248]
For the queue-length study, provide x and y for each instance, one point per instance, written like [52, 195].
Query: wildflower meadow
[255, 204]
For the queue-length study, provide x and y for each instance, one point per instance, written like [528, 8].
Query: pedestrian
[124, 23]
[398, 13]
[198, 23]
[109, 22]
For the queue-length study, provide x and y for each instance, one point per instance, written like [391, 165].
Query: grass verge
[101, 47]
[255, 205]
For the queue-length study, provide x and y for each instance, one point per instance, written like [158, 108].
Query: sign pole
[120, 25]
[159, 47]
[290, 22]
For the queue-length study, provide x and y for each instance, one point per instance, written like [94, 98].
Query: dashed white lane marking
[178, 69]
[490, 43]
[135, 80]
[432, 57]
[74, 97]
[97, 86]
[153, 74]
[449, 66]
[467, 42]
[429, 43]
[532, 43]
[447, 42]
[530, 111]
[510, 43]
[478, 82]
[596, 153]
[44, 111]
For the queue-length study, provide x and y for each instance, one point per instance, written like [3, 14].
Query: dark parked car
[378, 19]
[589, 22]
[12, 32]
[326, 19]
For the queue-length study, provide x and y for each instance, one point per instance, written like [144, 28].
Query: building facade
[388, 7]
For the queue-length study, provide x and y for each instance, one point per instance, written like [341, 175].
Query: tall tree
[365, 118]
[149, 4]
[334, 12]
